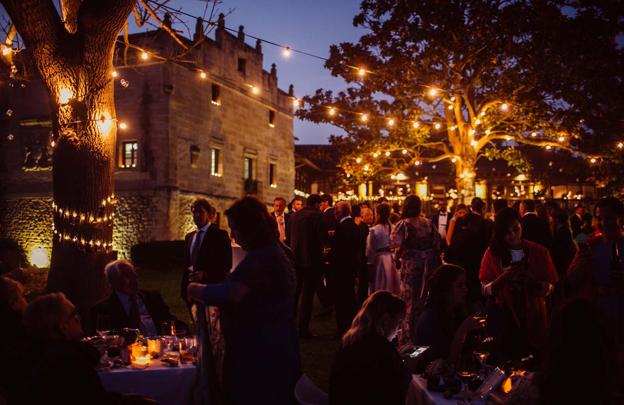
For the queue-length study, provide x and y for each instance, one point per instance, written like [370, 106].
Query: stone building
[207, 122]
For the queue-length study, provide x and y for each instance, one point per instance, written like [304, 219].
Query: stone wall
[29, 222]
[134, 223]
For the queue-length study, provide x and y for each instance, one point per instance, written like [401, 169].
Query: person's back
[368, 371]
[307, 237]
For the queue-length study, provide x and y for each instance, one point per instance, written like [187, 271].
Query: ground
[316, 354]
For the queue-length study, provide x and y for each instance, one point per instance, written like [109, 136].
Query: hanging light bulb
[296, 103]
[358, 160]
[433, 92]
[364, 117]
[416, 124]
[390, 122]
[123, 125]
[533, 134]
[332, 111]
[6, 50]
[203, 75]
[114, 73]
[144, 55]
[548, 147]
[361, 72]
[620, 145]
[255, 90]
[504, 107]
[561, 139]
[387, 153]
[286, 52]
[437, 125]
[404, 151]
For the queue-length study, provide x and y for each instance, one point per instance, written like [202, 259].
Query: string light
[391, 122]
[416, 124]
[417, 163]
[296, 103]
[255, 90]
[504, 107]
[375, 155]
[6, 51]
[592, 160]
[620, 145]
[286, 52]
[144, 55]
[387, 153]
[454, 160]
[361, 72]
[123, 125]
[471, 132]
[433, 92]
[561, 138]
[332, 111]
[358, 160]
[548, 147]
[437, 125]
[404, 151]
[203, 75]
[477, 122]
[473, 143]
[450, 107]
[487, 131]
[114, 74]
[364, 117]
[533, 134]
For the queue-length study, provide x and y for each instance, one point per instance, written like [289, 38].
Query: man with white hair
[130, 307]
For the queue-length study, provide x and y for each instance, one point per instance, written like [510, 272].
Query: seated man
[130, 307]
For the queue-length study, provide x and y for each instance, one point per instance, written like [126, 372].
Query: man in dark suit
[469, 242]
[325, 291]
[307, 235]
[576, 220]
[345, 259]
[441, 220]
[208, 251]
[130, 307]
[282, 218]
[534, 228]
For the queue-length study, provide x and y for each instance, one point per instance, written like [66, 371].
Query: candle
[136, 350]
[141, 361]
[153, 347]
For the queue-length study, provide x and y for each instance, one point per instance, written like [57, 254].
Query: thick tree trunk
[465, 180]
[83, 165]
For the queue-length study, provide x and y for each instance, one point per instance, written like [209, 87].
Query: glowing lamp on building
[401, 177]
[422, 189]
[481, 190]
[39, 258]
[521, 177]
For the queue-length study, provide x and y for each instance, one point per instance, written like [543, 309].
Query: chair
[307, 393]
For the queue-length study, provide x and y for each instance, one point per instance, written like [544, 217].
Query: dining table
[166, 385]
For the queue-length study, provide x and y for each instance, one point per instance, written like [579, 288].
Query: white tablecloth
[167, 385]
[418, 394]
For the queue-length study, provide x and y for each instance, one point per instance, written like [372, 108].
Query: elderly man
[282, 218]
[130, 307]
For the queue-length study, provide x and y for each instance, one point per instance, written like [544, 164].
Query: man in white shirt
[282, 218]
[441, 219]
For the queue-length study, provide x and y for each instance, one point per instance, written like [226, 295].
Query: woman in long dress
[417, 248]
[384, 274]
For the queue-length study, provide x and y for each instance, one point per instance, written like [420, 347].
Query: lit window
[216, 168]
[272, 175]
[129, 155]
[249, 172]
[216, 94]
[271, 118]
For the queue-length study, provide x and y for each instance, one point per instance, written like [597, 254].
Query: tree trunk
[83, 164]
[465, 180]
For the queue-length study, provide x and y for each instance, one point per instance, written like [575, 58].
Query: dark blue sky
[309, 25]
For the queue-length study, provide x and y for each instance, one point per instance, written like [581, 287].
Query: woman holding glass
[261, 363]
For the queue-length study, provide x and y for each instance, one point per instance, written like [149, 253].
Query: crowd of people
[547, 289]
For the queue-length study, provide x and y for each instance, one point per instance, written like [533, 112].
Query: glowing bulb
[123, 125]
[592, 160]
[286, 52]
[361, 72]
[375, 155]
[255, 90]
[533, 134]
[508, 138]
[620, 145]
[6, 50]
[453, 98]
[477, 121]
[404, 151]
[114, 73]
[416, 124]
[144, 55]
[358, 160]
[387, 153]
[365, 168]
[364, 117]
[453, 128]
[450, 107]
[561, 138]
[504, 107]
[437, 125]
[391, 122]
[332, 111]
[203, 75]
[548, 147]
[473, 143]
[417, 163]
[471, 132]
[52, 144]
[487, 131]
[454, 160]
[65, 95]
[296, 103]
[432, 92]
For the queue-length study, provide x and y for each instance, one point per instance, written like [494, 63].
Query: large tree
[464, 80]
[72, 52]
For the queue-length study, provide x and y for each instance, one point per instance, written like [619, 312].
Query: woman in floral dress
[416, 244]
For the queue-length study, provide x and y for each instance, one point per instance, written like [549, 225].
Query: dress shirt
[147, 323]
[442, 221]
[203, 230]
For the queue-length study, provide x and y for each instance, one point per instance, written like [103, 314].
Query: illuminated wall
[134, 223]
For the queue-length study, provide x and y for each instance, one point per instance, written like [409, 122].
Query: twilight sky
[308, 25]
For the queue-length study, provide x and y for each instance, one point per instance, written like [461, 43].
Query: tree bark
[75, 66]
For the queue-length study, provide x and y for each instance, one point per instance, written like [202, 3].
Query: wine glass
[103, 325]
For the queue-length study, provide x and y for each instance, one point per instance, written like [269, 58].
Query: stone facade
[171, 111]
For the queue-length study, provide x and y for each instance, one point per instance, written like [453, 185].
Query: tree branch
[163, 25]
[69, 10]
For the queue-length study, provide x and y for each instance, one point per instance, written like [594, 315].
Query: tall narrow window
[272, 175]
[194, 152]
[129, 155]
[216, 94]
[248, 169]
[216, 168]
[242, 65]
[271, 118]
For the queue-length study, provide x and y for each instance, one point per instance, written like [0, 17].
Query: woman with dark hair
[519, 274]
[367, 368]
[563, 249]
[416, 243]
[443, 325]
[578, 367]
[597, 272]
[460, 211]
[379, 256]
[261, 363]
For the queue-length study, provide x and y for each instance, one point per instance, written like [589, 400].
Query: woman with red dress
[518, 274]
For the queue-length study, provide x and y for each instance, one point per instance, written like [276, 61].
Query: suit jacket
[287, 225]
[214, 259]
[536, 230]
[436, 217]
[307, 235]
[112, 307]
[345, 255]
